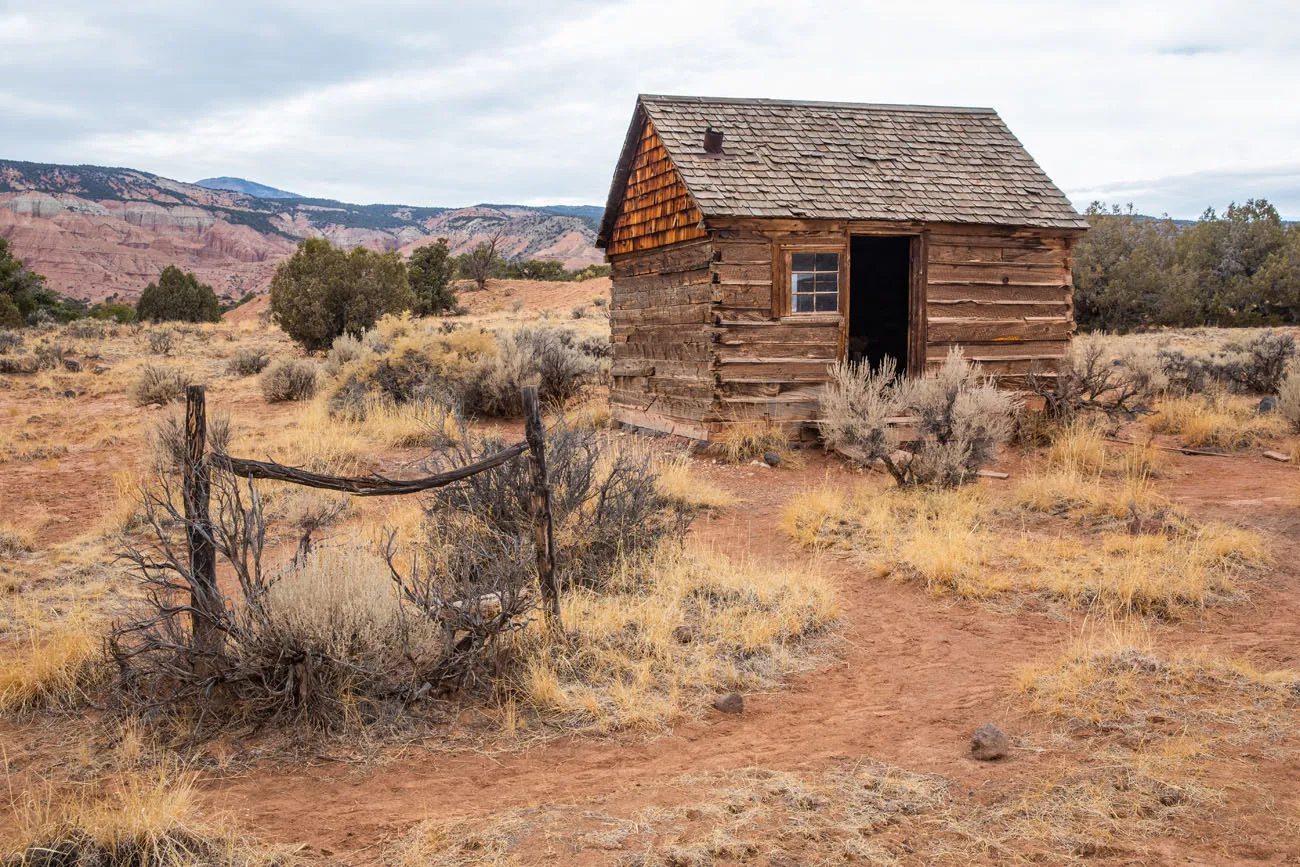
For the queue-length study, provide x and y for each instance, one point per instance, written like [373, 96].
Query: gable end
[655, 208]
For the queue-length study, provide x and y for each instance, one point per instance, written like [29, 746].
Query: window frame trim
[783, 300]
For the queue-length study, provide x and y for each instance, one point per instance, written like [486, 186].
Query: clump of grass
[748, 440]
[159, 385]
[666, 636]
[679, 483]
[1215, 422]
[15, 542]
[151, 818]
[54, 669]
[289, 379]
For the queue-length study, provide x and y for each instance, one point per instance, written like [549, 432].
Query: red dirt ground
[916, 675]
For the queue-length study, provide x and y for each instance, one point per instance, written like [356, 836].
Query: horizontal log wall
[697, 346]
[1004, 296]
[662, 329]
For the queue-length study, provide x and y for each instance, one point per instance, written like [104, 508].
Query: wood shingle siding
[657, 208]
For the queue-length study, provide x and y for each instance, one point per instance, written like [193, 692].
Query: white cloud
[449, 104]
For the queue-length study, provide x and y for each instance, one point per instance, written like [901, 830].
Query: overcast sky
[1173, 105]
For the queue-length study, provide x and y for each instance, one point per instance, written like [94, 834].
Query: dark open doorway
[879, 280]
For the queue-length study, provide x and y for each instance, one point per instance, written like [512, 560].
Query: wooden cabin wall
[767, 368]
[1005, 296]
[698, 345]
[662, 331]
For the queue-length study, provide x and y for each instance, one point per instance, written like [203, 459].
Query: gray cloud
[453, 103]
[1187, 196]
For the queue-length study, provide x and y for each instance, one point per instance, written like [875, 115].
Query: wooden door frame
[917, 254]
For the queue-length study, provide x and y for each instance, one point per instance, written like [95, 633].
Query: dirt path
[915, 676]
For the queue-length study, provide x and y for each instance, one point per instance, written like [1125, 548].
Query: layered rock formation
[95, 232]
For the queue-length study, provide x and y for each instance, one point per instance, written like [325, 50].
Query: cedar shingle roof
[849, 161]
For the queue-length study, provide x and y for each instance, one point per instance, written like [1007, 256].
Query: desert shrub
[541, 356]
[1186, 373]
[1288, 397]
[162, 342]
[1257, 366]
[49, 356]
[1146, 368]
[86, 329]
[1087, 381]
[961, 419]
[345, 350]
[479, 372]
[579, 311]
[605, 501]
[10, 341]
[159, 385]
[289, 379]
[596, 346]
[248, 362]
[430, 269]
[167, 439]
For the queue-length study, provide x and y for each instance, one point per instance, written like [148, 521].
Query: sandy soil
[912, 679]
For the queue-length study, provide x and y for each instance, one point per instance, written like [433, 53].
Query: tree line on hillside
[362, 281]
[1241, 267]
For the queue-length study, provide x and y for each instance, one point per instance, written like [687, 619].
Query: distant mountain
[96, 231]
[239, 185]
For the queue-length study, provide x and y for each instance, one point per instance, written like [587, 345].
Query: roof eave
[618, 186]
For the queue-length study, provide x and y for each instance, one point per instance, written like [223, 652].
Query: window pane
[828, 282]
[828, 261]
[827, 303]
[803, 303]
[803, 282]
[803, 261]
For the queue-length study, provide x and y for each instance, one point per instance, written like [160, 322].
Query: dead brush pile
[349, 635]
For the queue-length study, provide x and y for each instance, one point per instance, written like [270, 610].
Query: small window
[814, 282]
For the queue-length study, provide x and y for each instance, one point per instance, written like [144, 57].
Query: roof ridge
[758, 100]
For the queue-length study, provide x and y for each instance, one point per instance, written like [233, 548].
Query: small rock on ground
[732, 702]
[989, 742]
[772, 459]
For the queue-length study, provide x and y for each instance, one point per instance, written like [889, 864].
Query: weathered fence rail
[205, 595]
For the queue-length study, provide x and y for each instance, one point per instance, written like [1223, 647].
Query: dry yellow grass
[670, 634]
[680, 483]
[1116, 677]
[54, 668]
[748, 440]
[958, 541]
[147, 818]
[1215, 422]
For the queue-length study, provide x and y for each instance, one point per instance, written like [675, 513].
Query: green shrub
[322, 292]
[178, 297]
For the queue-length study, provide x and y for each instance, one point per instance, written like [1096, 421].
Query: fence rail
[205, 595]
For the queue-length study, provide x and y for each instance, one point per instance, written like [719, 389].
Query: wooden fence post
[540, 500]
[204, 598]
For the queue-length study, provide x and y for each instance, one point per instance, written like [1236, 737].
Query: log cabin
[755, 242]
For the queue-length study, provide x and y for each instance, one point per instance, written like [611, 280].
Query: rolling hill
[97, 231]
